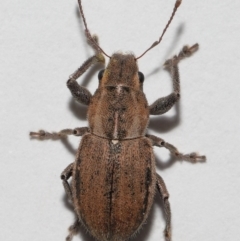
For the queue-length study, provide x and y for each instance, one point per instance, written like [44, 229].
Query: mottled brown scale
[114, 186]
[109, 114]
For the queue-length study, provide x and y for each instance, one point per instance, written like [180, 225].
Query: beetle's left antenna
[88, 34]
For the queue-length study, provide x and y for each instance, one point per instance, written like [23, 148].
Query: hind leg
[65, 175]
[164, 194]
[73, 230]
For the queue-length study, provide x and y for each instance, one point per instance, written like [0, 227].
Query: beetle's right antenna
[177, 4]
[88, 34]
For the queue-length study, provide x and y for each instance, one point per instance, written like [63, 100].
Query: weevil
[113, 177]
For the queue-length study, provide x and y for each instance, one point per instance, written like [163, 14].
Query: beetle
[113, 177]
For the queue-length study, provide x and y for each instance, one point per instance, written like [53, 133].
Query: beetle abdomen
[114, 186]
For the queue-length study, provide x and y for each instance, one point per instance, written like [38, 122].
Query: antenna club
[178, 3]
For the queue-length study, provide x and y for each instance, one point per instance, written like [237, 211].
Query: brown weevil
[113, 177]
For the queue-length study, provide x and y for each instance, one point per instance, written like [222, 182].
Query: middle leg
[43, 135]
[192, 157]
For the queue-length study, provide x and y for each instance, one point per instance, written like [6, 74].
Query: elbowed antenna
[93, 42]
[177, 4]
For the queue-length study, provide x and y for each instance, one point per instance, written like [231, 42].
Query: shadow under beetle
[113, 177]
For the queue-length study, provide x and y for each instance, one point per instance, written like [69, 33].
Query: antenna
[88, 34]
[177, 4]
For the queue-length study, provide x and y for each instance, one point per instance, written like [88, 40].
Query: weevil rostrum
[113, 177]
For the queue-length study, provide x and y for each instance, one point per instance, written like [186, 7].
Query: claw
[40, 135]
[188, 51]
[167, 233]
[194, 157]
[73, 230]
[184, 53]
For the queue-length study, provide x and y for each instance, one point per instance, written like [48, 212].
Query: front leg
[192, 157]
[80, 93]
[43, 135]
[164, 104]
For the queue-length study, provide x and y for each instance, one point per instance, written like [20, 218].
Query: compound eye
[141, 77]
[100, 74]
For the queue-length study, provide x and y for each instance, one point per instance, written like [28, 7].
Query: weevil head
[122, 69]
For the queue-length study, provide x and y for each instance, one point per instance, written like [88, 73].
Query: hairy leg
[192, 157]
[164, 104]
[44, 135]
[164, 194]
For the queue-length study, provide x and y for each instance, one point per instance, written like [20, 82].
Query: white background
[42, 43]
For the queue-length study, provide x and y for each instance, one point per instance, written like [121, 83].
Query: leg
[65, 175]
[73, 230]
[80, 93]
[43, 135]
[164, 194]
[192, 157]
[164, 104]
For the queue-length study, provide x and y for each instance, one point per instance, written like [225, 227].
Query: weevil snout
[122, 69]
